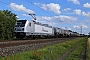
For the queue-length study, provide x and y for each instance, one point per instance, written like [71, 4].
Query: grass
[46, 53]
[88, 50]
[76, 54]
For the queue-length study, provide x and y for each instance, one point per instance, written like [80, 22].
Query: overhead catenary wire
[39, 7]
[45, 1]
[4, 2]
[29, 2]
[8, 4]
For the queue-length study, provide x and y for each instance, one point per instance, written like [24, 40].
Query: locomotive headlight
[15, 29]
[22, 29]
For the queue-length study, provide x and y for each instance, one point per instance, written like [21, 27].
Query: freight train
[33, 29]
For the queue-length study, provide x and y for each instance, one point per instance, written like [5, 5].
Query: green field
[76, 54]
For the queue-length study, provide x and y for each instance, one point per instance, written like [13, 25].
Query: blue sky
[66, 14]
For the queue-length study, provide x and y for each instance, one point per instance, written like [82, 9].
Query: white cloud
[86, 14]
[26, 15]
[67, 9]
[64, 18]
[84, 26]
[75, 26]
[50, 7]
[60, 18]
[88, 21]
[84, 22]
[69, 29]
[49, 23]
[74, 1]
[77, 11]
[80, 12]
[36, 3]
[17, 16]
[87, 5]
[54, 20]
[79, 27]
[44, 18]
[21, 8]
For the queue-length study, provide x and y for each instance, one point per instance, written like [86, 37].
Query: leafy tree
[7, 22]
[2, 24]
[10, 15]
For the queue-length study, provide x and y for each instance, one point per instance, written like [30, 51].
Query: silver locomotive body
[26, 28]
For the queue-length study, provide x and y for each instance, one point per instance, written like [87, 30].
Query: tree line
[7, 22]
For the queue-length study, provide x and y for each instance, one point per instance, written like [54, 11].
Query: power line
[34, 5]
[9, 0]
[4, 3]
[8, 4]
[45, 1]
[39, 7]
[29, 2]
[81, 29]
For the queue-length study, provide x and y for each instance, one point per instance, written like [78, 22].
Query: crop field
[48, 52]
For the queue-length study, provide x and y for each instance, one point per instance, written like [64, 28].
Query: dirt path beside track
[68, 53]
[88, 50]
[83, 54]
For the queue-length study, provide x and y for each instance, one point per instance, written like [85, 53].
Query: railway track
[8, 48]
[23, 42]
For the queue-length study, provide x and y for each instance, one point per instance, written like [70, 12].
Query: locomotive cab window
[29, 24]
[20, 23]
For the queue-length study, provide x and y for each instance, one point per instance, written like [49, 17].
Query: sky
[66, 14]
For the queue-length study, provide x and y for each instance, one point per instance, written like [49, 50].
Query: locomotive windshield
[20, 23]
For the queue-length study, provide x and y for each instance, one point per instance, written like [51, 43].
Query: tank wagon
[32, 29]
